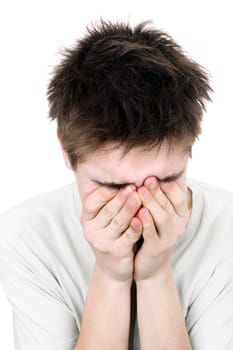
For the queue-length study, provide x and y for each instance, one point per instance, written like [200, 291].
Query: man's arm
[107, 226]
[164, 217]
[160, 318]
[106, 317]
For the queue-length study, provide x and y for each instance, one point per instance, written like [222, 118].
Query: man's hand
[164, 216]
[112, 231]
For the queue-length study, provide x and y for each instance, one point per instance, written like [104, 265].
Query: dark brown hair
[131, 86]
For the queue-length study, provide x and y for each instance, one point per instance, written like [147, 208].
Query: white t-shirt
[46, 266]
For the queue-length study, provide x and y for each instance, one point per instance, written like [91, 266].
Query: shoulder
[33, 268]
[40, 232]
[212, 238]
[215, 199]
[210, 228]
[37, 212]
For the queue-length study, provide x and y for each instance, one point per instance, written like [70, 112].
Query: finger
[122, 220]
[153, 186]
[149, 231]
[133, 233]
[159, 215]
[112, 208]
[96, 200]
[177, 196]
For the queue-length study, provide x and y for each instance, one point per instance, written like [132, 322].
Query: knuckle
[116, 222]
[131, 235]
[165, 204]
[108, 212]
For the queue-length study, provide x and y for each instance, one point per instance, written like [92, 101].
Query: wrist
[104, 278]
[162, 276]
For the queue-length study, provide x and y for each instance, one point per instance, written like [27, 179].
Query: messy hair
[134, 87]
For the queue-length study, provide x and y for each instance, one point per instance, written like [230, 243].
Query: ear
[65, 156]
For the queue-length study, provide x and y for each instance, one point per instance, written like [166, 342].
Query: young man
[132, 255]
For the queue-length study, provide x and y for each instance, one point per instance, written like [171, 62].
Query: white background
[31, 34]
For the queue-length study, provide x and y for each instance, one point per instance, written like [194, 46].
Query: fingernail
[129, 189]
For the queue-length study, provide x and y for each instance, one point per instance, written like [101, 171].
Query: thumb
[134, 231]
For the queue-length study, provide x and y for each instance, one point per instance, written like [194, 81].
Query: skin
[144, 204]
[141, 194]
[107, 165]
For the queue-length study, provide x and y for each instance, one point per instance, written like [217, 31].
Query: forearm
[160, 319]
[106, 316]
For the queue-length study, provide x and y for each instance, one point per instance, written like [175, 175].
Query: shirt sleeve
[210, 317]
[41, 317]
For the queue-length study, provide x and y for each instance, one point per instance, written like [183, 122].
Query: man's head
[107, 167]
[130, 87]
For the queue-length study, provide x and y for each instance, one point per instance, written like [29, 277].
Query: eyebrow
[113, 184]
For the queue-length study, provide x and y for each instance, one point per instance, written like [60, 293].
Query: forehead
[110, 164]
